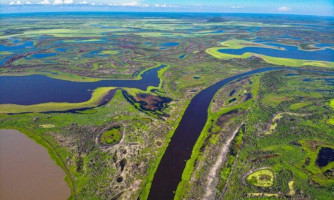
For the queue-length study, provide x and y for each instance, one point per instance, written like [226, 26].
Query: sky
[300, 7]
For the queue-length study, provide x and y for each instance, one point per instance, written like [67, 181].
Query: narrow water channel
[27, 171]
[172, 164]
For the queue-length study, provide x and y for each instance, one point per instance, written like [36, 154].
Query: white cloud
[283, 9]
[68, 1]
[236, 7]
[15, 3]
[129, 4]
[119, 3]
[58, 2]
[45, 2]
[164, 6]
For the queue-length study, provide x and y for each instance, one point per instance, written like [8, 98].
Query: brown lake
[27, 171]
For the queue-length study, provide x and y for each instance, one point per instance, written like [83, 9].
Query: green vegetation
[299, 105]
[110, 52]
[261, 178]
[47, 125]
[112, 136]
[292, 191]
[330, 121]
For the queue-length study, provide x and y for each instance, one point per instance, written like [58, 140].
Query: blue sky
[303, 7]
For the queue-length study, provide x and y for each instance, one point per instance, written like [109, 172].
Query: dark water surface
[290, 52]
[35, 89]
[27, 171]
[325, 156]
[169, 172]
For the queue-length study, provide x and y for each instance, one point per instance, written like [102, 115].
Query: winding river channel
[172, 164]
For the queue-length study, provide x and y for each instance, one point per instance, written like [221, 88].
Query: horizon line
[138, 11]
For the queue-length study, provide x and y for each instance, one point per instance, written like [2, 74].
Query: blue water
[27, 44]
[290, 52]
[4, 60]
[182, 56]
[61, 49]
[170, 44]
[323, 45]
[41, 55]
[35, 89]
[218, 31]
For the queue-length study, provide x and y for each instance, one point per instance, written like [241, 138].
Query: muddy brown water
[27, 171]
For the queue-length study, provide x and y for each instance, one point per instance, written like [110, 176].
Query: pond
[170, 44]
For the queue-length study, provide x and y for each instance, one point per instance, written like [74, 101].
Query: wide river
[27, 171]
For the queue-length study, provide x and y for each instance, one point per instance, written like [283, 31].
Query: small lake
[289, 52]
[41, 55]
[35, 89]
[182, 56]
[170, 44]
[27, 44]
[27, 171]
